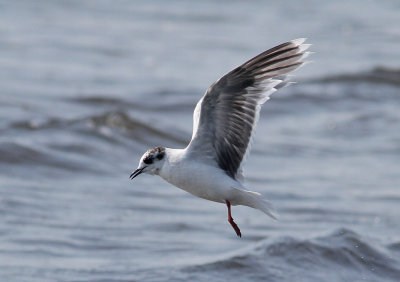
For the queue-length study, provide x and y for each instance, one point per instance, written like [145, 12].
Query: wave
[378, 75]
[34, 156]
[94, 123]
[74, 145]
[342, 255]
[158, 100]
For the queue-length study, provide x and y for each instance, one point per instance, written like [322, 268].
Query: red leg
[230, 219]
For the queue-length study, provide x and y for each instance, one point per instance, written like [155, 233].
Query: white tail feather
[254, 200]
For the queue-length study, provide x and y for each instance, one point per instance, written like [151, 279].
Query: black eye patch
[160, 156]
[148, 160]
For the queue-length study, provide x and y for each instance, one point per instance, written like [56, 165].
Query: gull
[210, 167]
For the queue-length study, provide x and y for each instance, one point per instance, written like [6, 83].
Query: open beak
[137, 172]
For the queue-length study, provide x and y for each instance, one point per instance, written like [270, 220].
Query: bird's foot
[235, 227]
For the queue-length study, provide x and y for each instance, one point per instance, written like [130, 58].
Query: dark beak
[137, 172]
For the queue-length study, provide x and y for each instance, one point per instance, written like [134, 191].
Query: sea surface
[86, 87]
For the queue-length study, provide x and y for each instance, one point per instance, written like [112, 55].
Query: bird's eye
[160, 156]
[148, 160]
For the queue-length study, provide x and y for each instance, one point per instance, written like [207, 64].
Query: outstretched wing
[225, 117]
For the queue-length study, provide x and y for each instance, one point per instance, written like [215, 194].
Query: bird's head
[151, 162]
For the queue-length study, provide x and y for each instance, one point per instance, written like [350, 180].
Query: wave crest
[343, 254]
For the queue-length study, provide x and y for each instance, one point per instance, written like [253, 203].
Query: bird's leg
[230, 219]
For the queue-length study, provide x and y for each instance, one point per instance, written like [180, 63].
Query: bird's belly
[202, 182]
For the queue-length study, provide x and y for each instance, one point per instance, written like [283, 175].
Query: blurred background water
[87, 86]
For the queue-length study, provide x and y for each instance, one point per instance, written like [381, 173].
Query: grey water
[86, 87]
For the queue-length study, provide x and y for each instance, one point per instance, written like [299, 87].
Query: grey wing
[225, 117]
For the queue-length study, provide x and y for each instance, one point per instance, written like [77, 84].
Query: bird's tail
[254, 200]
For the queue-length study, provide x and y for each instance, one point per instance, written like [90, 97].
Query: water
[88, 86]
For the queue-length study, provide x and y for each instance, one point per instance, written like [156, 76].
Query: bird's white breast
[202, 180]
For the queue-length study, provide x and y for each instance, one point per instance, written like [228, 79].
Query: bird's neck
[174, 155]
[173, 160]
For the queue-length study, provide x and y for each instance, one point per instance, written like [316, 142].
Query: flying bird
[210, 167]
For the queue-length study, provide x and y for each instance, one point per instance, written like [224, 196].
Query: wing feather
[225, 117]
